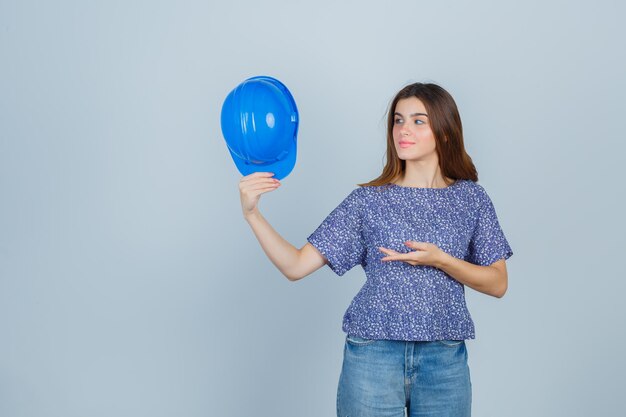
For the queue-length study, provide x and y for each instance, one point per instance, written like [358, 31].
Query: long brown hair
[445, 123]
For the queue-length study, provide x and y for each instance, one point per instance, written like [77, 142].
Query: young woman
[422, 231]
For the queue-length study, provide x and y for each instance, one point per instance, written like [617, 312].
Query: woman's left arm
[491, 279]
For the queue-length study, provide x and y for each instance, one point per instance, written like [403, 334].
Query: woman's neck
[423, 176]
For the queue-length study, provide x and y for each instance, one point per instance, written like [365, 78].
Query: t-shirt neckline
[454, 184]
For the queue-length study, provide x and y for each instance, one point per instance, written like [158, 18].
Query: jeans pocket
[450, 343]
[359, 341]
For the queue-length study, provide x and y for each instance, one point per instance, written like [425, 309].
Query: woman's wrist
[443, 260]
[251, 215]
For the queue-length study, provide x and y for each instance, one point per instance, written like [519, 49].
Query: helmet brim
[280, 168]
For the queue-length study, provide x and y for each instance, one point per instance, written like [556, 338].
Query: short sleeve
[488, 243]
[339, 238]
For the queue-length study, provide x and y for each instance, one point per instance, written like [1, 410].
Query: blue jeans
[380, 378]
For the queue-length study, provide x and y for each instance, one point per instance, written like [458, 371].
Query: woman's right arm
[292, 262]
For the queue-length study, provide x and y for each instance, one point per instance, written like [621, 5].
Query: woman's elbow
[308, 261]
[501, 287]
[291, 276]
[294, 274]
[499, 280]
[499, 292]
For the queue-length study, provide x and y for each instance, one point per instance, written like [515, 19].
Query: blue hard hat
[260, 124]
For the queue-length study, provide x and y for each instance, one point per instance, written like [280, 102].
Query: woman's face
[412, 136]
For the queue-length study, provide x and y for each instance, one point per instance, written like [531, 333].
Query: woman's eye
[397, 121]
[419, 122]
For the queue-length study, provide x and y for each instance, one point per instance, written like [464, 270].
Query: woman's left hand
[423, 253]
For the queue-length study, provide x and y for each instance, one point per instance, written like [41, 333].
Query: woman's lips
[405, 144]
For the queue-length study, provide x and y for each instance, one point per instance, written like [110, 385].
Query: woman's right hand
[252, 186]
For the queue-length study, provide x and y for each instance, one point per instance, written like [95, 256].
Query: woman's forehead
[410, 105]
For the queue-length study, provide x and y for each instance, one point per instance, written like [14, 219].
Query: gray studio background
[130, 284]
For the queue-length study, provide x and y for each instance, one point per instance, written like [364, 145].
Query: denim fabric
[388, 378]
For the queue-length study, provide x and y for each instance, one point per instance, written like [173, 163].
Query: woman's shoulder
[366, 196]
[471, 186]
[373, 188]
[476, 193]
[356, 197]
[371, 191]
